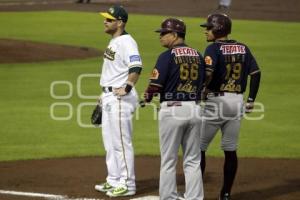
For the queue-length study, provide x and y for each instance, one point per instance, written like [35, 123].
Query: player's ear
[175, 34]
[121, 23]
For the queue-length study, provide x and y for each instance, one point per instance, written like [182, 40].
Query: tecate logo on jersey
[232, 49]
[185, 51]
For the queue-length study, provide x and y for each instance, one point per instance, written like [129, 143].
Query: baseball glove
[96, 117]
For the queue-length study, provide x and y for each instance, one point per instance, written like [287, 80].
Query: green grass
[28, 132]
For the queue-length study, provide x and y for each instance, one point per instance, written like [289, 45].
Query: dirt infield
[20, 51]
[259, 179]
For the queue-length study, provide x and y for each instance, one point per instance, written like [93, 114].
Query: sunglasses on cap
[109, 20]
[209, 28]
[165, 33]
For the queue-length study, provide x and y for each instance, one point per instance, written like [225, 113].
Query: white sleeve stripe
[155, 84]
[132, 66]
[255, 72]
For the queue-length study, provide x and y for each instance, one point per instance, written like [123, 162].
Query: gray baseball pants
[179, 126]
[222, 113]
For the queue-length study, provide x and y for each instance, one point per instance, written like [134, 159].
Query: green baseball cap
[116, 12]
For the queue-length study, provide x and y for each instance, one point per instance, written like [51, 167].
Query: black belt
[174, 103]
[220, 94]
[107, 89]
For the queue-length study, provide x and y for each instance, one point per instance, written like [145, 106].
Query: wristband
[128, 88]
[250, 99]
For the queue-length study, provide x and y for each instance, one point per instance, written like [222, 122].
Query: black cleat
[226, 196]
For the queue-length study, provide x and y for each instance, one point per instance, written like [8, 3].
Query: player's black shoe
[226, 196]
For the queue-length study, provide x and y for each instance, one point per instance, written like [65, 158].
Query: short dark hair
[182, 35]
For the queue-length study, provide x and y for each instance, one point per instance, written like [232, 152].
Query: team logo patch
[109, 54]
[135, 58]
[154, 74]
[208, 60]
[111, 10]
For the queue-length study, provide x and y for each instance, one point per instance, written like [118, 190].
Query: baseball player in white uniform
[120, 71]
[224, 4]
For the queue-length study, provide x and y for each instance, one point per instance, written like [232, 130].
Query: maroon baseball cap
[172, 25]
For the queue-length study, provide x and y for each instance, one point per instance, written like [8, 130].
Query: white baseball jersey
[120, 55]
[225, 3]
